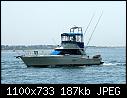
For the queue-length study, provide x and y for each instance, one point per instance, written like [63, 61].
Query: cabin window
[78, 38]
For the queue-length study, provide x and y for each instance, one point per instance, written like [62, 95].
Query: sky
[42, 22]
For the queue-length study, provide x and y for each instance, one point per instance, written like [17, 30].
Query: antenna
[94, 30]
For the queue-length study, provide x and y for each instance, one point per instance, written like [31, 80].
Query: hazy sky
[42, 22]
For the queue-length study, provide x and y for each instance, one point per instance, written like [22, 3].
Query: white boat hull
[48, 60]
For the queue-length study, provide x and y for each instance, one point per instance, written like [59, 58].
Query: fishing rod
[94, 30]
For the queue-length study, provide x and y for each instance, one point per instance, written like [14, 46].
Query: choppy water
[113, 71]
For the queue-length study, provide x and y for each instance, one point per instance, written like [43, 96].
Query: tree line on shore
[23, 47]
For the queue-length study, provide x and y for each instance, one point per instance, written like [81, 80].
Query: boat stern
[99, 58]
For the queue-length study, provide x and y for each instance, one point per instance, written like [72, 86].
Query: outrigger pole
[93, 30]
[89, 23]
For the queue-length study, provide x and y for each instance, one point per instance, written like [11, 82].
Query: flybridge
[73, 37]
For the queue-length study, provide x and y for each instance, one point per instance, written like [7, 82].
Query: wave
[13, 67]
[113, 61]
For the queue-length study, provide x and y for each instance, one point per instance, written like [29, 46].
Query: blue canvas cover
[55, 52]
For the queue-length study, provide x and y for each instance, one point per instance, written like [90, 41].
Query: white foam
[108, 64]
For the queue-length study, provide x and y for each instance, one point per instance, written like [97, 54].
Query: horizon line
[57, 45]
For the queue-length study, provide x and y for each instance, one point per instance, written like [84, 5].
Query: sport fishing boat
[70, 52]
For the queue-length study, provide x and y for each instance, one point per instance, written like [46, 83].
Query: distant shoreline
[29, 47]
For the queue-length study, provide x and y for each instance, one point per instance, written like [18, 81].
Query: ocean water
[113, 71]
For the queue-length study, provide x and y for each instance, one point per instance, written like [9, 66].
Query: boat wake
[108, 64]
[116, 63]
